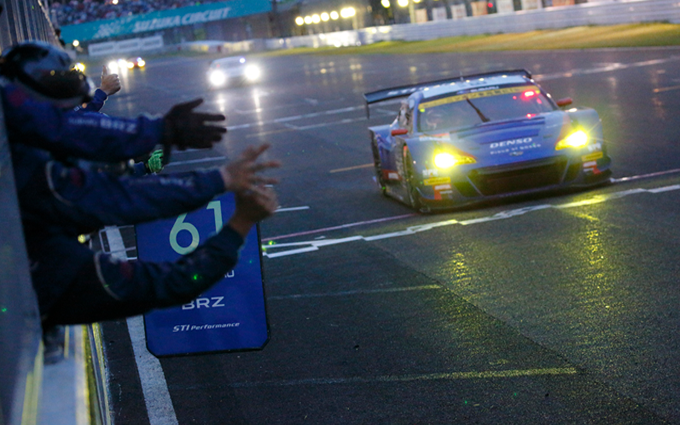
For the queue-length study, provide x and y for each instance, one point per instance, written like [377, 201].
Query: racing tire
[409, 178]
[378, 168]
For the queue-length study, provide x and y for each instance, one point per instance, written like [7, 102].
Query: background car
[116, 66]
[484, 136]
[232, 70]
[136, 62]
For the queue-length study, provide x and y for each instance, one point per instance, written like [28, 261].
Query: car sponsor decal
[514, 147]
[440, 190]
[390, 175]
[436, 181]
[484, 93]
[592, 157]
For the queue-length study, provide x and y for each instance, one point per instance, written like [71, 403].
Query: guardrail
[610, 13]
[21, 357]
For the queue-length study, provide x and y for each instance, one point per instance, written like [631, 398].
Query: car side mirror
[399, 131]
[564, 102]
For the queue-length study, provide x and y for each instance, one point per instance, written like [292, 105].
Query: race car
[482, 137]
[230, 70]
[136, 62]
[117, 66]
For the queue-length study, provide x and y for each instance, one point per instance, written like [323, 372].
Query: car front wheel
[409, 180]
[377, 164]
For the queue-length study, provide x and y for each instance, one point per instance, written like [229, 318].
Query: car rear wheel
[409, 180]
[377, 164]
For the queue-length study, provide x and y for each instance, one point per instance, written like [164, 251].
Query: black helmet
[46, 69]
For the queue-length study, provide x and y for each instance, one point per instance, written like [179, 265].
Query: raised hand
[185, 128]
[243, 174]
[110, 82]
[252, 207]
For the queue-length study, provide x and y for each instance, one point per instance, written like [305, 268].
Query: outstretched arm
[99, 137]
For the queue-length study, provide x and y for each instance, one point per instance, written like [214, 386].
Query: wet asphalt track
[560, 309]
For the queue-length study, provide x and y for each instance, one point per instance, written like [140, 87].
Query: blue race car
[482, 137]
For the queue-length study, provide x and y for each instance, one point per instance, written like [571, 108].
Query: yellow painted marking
[485, 93]
[592, 157]
[436, 180]
[268, 133]
[29, 414]
[67, 332]
[490, 374]
[663, 89]
[356, 167]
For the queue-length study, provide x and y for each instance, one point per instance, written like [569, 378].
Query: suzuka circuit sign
[164, 19]
[231, 315]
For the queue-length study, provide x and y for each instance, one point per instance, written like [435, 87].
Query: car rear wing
[403, 91]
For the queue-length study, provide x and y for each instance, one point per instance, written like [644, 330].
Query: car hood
[505, 141]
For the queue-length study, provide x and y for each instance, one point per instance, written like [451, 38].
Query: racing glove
[155, 162]
[185, 128]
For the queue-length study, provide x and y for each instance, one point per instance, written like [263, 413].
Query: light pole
[275, 20]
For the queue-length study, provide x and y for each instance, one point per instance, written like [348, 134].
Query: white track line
[355, 292]
[314, 245]
[291, 209]
[155, 388]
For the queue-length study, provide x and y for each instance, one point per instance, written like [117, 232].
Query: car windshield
[482, 106]
[231, 62]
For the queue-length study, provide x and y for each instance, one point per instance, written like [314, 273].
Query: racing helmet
[434, 117]
[46, 70]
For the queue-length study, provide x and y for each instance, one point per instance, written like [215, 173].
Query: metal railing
[21, 347]
[25, 20]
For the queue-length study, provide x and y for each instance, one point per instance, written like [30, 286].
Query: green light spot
[4, 310]
[196, 277]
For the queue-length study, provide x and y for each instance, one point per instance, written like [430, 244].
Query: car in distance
[136, 62]
[232, 70]
[117, 66]
[482, 137]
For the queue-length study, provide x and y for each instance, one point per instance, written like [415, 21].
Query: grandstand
[73, 12]
[176, 21]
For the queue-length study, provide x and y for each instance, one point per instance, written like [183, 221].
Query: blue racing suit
[69, 133]
[97, 102]
[58, 202]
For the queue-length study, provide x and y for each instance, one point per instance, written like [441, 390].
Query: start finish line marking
[295, 248]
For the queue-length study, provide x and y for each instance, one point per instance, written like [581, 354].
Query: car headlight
[446, 160]
[252, 72]
[217, 78]
[577, 139]
[113, 67]
[141, 62]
